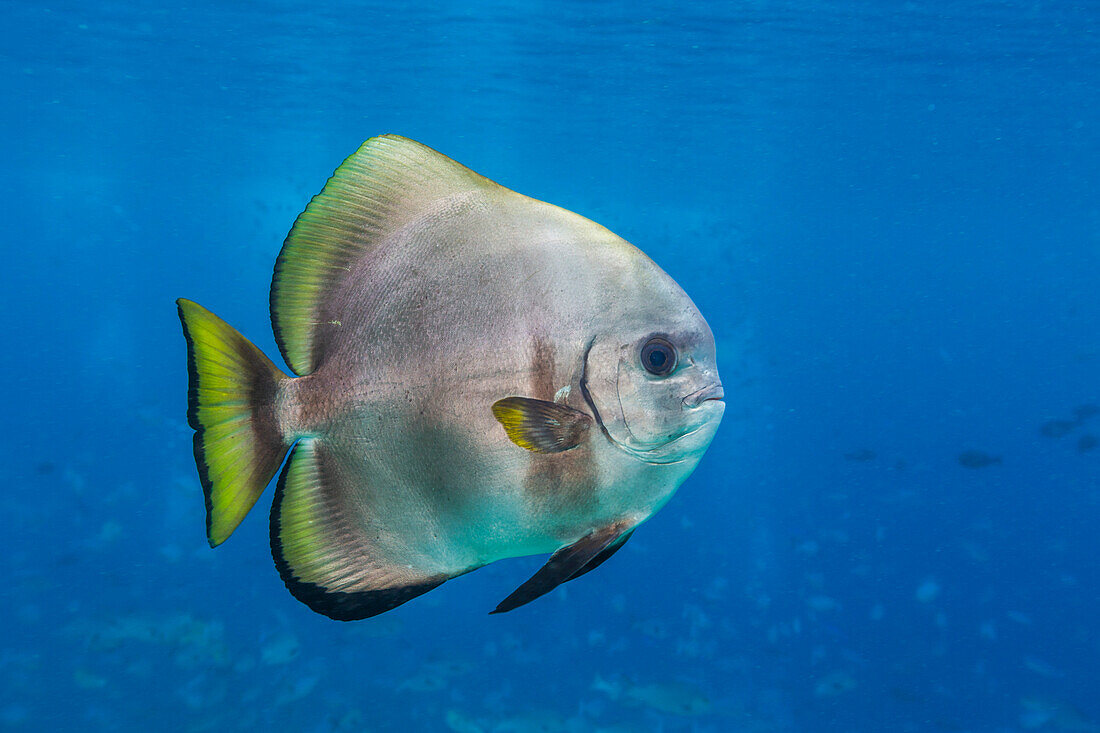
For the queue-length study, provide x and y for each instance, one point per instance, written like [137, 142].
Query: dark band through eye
[658, 356]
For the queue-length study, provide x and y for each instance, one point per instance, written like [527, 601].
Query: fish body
[1058, 428]
[977, 459]
[480, 375]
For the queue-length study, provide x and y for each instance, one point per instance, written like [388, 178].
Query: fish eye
[658, 357]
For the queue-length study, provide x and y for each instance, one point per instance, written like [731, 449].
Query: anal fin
[565, 564]
[323, 554]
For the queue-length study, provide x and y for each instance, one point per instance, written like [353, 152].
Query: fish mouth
[710, 392]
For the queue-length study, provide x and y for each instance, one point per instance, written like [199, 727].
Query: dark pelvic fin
[564, 564]
[231, 407]
[607, 552]
[541, 426]
[325, 559]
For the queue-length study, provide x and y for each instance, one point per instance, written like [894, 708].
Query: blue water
[888, 212]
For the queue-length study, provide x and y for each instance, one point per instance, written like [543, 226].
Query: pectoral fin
[541, 426]
[567, 563]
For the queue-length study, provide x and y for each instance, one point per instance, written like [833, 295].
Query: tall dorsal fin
[384, 185]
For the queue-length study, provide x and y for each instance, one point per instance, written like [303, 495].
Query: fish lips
[698, 397]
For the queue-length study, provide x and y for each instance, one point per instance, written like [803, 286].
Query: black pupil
[658, 357]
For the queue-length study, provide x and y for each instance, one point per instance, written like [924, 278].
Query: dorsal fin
[380, 188]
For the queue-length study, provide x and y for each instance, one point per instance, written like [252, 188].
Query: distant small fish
[1084, 412]
[977, 459]
[833, 684]
[1086, 443]
[1057, 428]
[863, 454]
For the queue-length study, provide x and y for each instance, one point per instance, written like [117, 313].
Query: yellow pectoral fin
[540, 426]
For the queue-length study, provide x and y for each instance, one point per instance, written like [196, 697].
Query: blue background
[889, 213]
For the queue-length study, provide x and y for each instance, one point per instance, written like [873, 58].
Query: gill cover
[648, 415]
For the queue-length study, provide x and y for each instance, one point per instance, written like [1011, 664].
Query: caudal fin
[230, 405]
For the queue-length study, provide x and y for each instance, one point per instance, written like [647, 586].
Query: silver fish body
[483, 376]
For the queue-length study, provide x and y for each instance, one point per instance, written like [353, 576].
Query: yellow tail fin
[230, 405]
